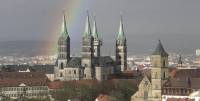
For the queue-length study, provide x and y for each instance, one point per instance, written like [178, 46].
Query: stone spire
[180, 60]
[64, 31]
[160, 50]
[87, 32]
[121, 35]
[94, 32]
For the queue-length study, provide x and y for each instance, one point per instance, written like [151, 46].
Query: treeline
[117, 90]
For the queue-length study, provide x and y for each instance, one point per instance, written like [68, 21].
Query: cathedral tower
[159, 71]
[87, 51]
[121, 49]
[97, 42]
[63, 46]
[63, 50]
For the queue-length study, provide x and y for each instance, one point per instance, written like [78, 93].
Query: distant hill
[135, 47]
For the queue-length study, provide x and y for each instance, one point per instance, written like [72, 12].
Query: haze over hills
[136, 46]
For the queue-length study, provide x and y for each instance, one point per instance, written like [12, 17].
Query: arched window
[74, 71]
[164, 63]
[61, 75]
[61, 66]
[164, 75]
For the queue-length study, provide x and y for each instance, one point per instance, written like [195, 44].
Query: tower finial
[64, 26]
[95, 33]
[121, 35]
[87, 26]
[160, 50]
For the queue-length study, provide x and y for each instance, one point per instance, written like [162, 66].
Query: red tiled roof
[55, 85]
[195, 73]
[14, 79]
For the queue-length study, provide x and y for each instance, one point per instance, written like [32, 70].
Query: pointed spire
[160, 50]
[180, 60]
[87, 26]
[121, 35]
[94, 32]
[64, 31]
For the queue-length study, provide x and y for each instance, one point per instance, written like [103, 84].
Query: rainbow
[74, 10]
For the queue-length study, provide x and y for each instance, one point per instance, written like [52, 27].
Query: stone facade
[24, 84]
[144, 93]
[159, 75]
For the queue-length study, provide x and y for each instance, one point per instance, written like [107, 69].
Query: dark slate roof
[160, 50]
[16, 68]
[74, 62]
[104, 61]
[101, 61]
[47, 69]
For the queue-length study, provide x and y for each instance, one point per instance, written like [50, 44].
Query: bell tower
[121, 49]
[87, 51]
[159, 71]
[97, 42]
[63, 51]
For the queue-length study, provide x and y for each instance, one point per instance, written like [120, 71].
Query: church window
[74, 71]
[164, 75]
[164, 63]
[61, 66]
[61, 75]
[84, 75]
[119, 57]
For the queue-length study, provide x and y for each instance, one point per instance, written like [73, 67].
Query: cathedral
[90, 65]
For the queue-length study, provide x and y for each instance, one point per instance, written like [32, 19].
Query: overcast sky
[175, 22]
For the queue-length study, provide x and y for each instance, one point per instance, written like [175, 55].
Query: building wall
[121, 55]
[51, 77]
[71, 73]
[27, 91]
[180, 98]
[144, 92]
[159, 75]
